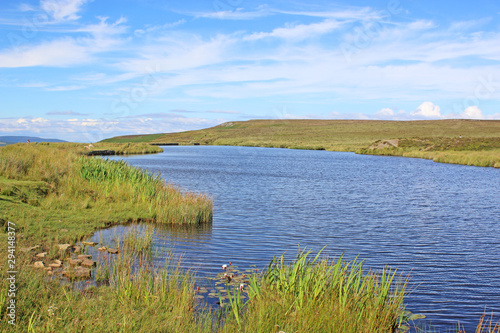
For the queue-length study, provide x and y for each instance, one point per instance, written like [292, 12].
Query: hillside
[22, 138]
[343, 135]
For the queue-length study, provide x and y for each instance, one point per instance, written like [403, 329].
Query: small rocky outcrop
[39, 264]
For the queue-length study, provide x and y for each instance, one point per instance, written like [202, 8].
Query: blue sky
[85, 70]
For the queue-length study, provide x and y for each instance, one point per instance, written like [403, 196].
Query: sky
[86, 70]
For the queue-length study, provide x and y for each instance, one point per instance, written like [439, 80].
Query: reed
[139, 240]
[49, 187]
[149, 300]
[318, 295]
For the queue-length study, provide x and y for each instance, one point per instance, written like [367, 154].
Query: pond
[436, 222]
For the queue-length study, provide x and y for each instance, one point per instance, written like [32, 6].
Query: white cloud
[62, 10]
[298, 32]
[65, 88]
[67, 51]
[385, 112]
[427, 110]
[472, 112]
[237, 14]
[92, 130]
[58, 53]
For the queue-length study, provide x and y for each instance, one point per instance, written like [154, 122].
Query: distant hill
[15, 139]
[340, 135]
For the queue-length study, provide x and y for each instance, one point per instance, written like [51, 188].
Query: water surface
[437, 222]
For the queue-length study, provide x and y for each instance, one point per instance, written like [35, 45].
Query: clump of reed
[139, 240]
[48, 187]
[165, 203]
[318, 295]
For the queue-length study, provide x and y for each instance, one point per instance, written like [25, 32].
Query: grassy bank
[458, 150]
[343, 135]
[46, 188]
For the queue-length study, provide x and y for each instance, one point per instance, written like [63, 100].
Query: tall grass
[149, 300]
[318, 295]
[48, 187]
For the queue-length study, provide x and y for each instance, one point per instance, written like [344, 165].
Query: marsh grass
[318, 295]
[149, 300]
[48, 187]
[474, 151]
[139, 240]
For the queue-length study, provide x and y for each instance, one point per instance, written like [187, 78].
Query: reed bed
[318, 295]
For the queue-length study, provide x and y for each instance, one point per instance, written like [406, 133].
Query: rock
[74, 262]
[64, 230]
[88, 263]
[28, 249]
[77, 272]
[41, 255]
[56, 264]
[89, 243]
[77, 248]
[84, 256]
[48, 268]
[102, 249]
[63, 247]
[38, 264]
[113, 251]
[50, 273]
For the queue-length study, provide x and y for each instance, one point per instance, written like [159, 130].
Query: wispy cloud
[62, 10]
[92, 130]
[236, 14]
[65, 88]
[299, 31]
[66, 113]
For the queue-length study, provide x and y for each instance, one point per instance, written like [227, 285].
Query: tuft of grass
[318, 295]
[139, 240]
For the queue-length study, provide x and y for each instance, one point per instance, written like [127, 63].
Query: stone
[41, 255]
[77, 248]
[28, 249]
[63, 247]
[89, 243]
[84, 256]
[57, 261]
[113, 251]
[55, 265]
[50, 273]
[64, 230]
[38, 264]
[102, 249]
[75, 262]
[88, 263]
[77, 272]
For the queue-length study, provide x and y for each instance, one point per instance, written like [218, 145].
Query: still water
[436, 222]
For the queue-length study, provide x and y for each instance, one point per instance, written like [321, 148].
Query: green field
[361, 136]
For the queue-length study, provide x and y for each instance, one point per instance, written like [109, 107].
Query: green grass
[46, 188]
[319, 295]
[134, 138]
[348, 135]
[457, 150]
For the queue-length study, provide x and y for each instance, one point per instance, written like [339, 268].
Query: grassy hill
[471, 142]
